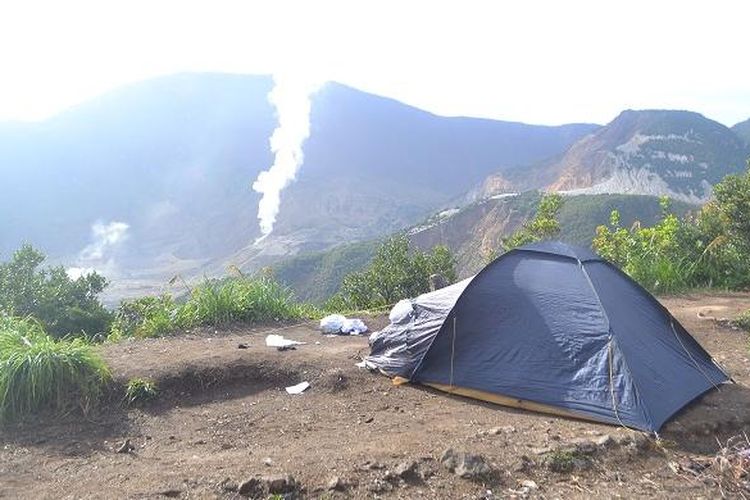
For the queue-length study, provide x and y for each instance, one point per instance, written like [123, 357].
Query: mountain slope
[474, 233]
[174, 158]
[742, 130]
[680, 154]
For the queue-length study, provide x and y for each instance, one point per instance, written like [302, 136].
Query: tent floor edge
[511, 402]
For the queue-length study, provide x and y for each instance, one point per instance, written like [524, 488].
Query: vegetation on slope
[317, 276]
[543, 226]
[708, 249]
[396, 272]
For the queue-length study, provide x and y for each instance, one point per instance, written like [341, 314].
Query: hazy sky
[545, 62]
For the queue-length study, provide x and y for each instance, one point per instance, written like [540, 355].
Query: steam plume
[96, 256]
[291, 98]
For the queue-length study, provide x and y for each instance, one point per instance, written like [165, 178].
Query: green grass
[213, 302]
[140, 390]
[39, 373]
[566, 460]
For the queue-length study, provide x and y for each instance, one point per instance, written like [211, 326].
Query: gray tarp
[398, 348]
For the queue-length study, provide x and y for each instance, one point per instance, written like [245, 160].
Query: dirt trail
[223, 414]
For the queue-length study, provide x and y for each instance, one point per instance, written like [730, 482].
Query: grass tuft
[140, 390]
[213, 302]
[39, 373]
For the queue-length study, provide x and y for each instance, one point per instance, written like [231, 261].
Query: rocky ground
[224, 427]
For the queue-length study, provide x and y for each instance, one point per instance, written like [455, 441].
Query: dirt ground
[223, 417]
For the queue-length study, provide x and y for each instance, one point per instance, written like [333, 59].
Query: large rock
[465, 465]
[280, 484]
[270, 485]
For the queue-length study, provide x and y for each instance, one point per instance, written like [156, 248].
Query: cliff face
[679, 154]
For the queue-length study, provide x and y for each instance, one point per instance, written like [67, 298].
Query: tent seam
[612, 340]
[644, 409]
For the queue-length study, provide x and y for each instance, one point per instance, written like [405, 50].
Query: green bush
[65, 306]
[213, 302]
[543, 226]
[226, 300]
[140, 390]
[395, 272]
[144, 317]
[707, 249]
[38, 372]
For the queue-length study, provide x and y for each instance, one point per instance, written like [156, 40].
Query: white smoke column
[105, 236]
[96, 255]
[291, 98]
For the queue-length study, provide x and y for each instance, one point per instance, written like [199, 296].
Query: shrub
[144, 317]
[396, 272]
[38, 372]
[140, 390]
[543, 226]
[225, 300]
[213, 302]
[63, 305]
[702, 250]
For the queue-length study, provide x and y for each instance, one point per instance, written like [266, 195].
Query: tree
[733, 203]
[395, 272]
[543, 226]
[63, 305]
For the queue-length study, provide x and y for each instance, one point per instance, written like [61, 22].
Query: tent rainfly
[553, 328]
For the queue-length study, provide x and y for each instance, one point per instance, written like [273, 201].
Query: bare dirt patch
[223, 420]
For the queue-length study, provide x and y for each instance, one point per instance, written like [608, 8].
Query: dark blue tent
[554, 328]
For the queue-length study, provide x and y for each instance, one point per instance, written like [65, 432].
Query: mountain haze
[174, 158]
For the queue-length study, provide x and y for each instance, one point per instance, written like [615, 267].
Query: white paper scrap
[298, 389]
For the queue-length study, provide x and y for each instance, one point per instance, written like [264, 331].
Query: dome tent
[554, 328]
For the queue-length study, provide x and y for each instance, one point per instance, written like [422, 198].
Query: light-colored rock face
[662, 153]
[642, 181]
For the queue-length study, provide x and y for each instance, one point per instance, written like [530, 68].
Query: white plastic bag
[353, 326]
[332, 323]
[401, 311]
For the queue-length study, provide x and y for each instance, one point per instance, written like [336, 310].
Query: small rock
[242, 346]
[126, 447]
[407, 470]
[369, 419]
[170, 493]
[529, 484]
[604, 441]
[253, 488]
[541, 451]
[584, 446]
[524, 464]
[372, 466]
[465, 465]
[337, 484]
[227, 485]
[379, 486]
[280, 484]
[267, 461]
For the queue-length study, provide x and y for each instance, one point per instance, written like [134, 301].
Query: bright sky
[547, 62]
